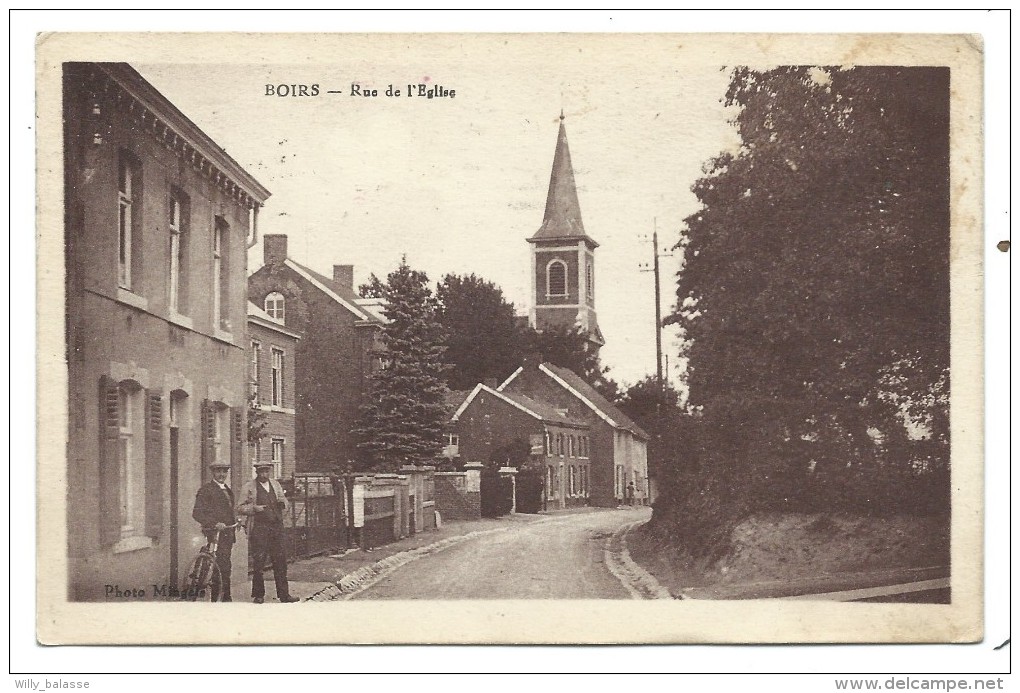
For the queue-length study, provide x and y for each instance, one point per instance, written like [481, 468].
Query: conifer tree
[403, 419]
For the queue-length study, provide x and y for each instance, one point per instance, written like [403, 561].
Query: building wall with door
[156, 223]
[489, 421]
[272, 365]
[617, 453]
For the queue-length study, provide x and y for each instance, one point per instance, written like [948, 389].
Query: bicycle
[204, 581]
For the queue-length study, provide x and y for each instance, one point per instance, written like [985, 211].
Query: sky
[458, 184]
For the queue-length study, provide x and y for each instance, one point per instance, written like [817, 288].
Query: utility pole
[658, 301]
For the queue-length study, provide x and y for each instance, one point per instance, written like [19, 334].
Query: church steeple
[563, 255]
[562, 217]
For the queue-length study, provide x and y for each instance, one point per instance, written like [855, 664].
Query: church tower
[563, 256]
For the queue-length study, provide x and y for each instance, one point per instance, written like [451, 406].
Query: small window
[275, 306]
[452, 439]
[556, 278]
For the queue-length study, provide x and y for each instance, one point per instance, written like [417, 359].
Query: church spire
[562, 211]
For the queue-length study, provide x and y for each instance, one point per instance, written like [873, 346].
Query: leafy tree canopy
[814, 292]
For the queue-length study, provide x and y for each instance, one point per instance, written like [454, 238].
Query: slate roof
[562, 219]
[346, 296]
[592, 395]
[536, 408]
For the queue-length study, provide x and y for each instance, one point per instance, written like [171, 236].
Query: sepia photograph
[548, 339]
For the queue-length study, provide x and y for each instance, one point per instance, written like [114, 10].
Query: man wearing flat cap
[262, 500]
[214, 510]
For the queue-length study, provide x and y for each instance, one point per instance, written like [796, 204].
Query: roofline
[150, 97]
[328, 291]
[276, 327]
[601, 414]
[547, 239]
[512, 376]
[478, 388]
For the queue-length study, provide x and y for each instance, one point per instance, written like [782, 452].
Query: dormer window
[275, 306]
[556, 278]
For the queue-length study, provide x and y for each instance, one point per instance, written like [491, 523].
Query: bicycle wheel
[204, 573]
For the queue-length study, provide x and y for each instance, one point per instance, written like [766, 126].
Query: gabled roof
[261, 317]
[573, 383]
[455, 398]
[374, 305]
[542, 411]
[339, 293]
[562, 219]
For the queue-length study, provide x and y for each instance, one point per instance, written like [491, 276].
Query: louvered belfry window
[556, 278]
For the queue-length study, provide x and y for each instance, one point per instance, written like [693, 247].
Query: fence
[317, 521]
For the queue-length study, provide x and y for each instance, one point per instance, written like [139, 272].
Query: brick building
[337, 338]
[488, 420]
[272, 363]
[618, 451]
[157, 222]
[563, 256]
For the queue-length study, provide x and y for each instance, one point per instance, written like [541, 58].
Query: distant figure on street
[214, 510]
[263, 502]
[630, 493]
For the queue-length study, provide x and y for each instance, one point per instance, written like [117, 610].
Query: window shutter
[208, 426]
[109, 461]
[154, 492]
[237, 439]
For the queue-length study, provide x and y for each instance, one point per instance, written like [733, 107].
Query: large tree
[403, 419]
[815, 277]
[483, 338]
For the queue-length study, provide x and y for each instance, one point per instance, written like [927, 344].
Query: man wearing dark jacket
[214, 510]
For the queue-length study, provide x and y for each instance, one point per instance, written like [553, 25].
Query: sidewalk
[311, 576]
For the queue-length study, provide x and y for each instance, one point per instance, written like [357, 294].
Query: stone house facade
[158, 219]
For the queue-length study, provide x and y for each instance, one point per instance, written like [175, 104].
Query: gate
[317, 521]
[496, 493]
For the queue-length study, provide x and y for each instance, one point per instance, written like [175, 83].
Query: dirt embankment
[801, 549]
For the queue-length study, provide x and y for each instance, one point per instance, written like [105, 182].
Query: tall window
[277, 377]
[178, 216]
[221, 434]
[128, 182]
[253, 377]
[221, 278]
[570, 446]
[127, 414]
[589, 274]
[277, 458]
[556, 278]
[274, 306]
[548, 444]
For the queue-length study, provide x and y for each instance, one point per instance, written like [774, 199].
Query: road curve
[563, 557]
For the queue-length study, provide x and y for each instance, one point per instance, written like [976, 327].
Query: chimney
[344, 276]
[274, 248]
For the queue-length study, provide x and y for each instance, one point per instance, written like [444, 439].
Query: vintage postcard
[510, 338]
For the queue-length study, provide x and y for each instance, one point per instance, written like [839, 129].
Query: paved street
[561, 557]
